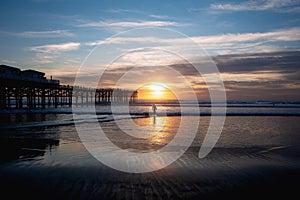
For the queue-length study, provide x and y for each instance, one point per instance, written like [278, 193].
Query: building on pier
[9, 72]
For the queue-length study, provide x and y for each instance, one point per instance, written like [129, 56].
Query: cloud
[267, 68]
[118, 10]
[56, 48]
[291, 34]
[131, 24]
[145, 57]
[261, 70]
[245, 42]
[44, 58]
[282, 62]
[7, 61]
[217, 44]
[259, 76]
[252, 66]
[159, 16]
[259, 5]
[47, 54]
[46, 34]
[122, 40]
[262, 90]
[122, 11]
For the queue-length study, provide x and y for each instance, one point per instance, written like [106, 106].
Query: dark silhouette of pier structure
[31, 89]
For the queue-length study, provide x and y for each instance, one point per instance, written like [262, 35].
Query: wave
[67, 122]
[123, 116]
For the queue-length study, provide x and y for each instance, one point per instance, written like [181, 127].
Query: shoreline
[170, 114]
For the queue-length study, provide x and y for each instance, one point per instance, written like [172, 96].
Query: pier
[31, 89]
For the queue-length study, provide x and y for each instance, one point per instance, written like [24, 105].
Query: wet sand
[231, 173]
[51, 163]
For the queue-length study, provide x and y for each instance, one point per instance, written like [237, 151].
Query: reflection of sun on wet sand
[160, 130]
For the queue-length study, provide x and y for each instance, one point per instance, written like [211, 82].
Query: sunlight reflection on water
[60, 145]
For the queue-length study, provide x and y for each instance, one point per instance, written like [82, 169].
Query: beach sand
[52, 163]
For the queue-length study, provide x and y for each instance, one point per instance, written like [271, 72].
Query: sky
[254, 43]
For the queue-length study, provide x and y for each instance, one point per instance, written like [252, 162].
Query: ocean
[257, 154]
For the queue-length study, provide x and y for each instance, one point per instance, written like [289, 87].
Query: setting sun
[156, 87]
[156, 91]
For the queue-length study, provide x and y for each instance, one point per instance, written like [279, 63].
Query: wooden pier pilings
[20, 93]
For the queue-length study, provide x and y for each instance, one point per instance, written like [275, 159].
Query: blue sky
[56, 35]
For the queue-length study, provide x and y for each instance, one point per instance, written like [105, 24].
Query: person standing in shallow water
[154, 108]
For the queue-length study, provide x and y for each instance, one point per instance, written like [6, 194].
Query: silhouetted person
[154, 108]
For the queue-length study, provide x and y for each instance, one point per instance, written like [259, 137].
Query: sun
[156, 87]
[155, 91]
